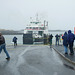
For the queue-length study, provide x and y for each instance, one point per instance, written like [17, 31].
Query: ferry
[37, 29]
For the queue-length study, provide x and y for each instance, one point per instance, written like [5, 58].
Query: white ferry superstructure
[36, 28]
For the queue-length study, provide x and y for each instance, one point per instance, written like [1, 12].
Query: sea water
[9, 38]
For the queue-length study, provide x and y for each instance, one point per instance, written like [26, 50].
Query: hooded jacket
[70, 37]
[65, 40]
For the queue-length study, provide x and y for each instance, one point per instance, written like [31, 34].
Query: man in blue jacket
[71, 41]
[15, 41]
[65, 42]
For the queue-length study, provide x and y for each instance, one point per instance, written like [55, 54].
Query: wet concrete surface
[33, 60]
[61, 50]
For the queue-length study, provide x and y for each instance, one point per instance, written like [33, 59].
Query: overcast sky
[15, 14]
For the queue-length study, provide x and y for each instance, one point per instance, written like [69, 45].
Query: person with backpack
[3, 46]
[71, 41]
[15, 41]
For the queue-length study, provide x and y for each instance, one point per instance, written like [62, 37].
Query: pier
[36, 60]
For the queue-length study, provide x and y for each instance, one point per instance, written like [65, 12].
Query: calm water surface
[9, 38]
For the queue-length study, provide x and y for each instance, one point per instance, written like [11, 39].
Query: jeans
[3, 46]
[66, 50]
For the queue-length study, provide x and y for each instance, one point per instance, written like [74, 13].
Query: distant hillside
[20, 32]
[10, 32]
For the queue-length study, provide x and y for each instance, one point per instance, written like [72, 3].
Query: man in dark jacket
[57, 39]
[65, 42]
[15, 41]
[3, 46]
[71, 41]
[50, 40]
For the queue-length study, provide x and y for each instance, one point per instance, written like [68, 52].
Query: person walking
[50, 40]
[71, 41]
[3, 46]
[15, 41]
[57, 39]
[65, 42]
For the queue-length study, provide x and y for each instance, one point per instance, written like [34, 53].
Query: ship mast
[37, 17]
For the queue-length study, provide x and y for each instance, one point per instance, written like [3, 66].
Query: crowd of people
[57, 39]
[68, 41]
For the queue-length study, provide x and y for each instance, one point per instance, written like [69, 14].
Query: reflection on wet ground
[35, 60]
[66, 63]
[70, 67]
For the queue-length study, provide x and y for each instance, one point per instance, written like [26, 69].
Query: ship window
[26, 27]
[31, 22]
[33, 27]
[30, 27]
[36, 27]
[41, 28]
[35, 22]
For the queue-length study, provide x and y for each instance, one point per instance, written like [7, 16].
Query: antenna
[37, 17]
